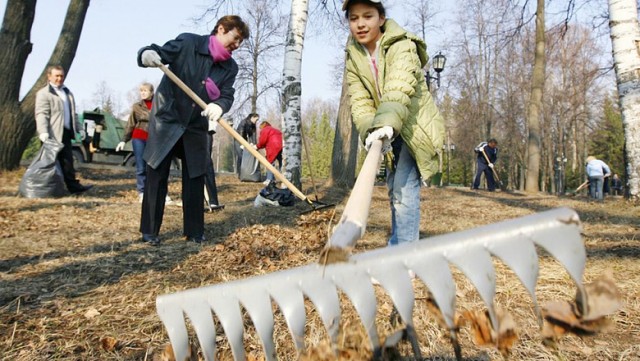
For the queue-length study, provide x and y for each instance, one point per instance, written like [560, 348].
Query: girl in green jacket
[390, 101]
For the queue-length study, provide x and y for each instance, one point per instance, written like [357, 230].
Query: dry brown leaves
[167, 354]
[353, 345]
[109, 343]
[603, 299]
[483, 332]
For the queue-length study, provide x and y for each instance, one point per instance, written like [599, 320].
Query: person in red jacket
[271, 140]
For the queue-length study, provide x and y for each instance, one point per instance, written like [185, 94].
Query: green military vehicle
[104, 132]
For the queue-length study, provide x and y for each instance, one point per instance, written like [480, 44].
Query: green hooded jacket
[405, 103]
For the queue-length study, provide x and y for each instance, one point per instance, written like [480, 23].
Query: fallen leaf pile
[602, 299]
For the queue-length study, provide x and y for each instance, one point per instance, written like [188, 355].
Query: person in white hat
[596, 171]
[390, 101]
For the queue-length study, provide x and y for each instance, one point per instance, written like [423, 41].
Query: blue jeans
[141, 166]
[488, 174]
[595, 187]
[278, 160]
[403, 184]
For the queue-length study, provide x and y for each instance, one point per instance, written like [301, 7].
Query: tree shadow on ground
[96, 265]
[615, 247]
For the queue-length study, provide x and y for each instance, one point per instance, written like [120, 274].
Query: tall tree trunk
[535, 104]
[291, 90]
[345, 143]
[17, 125]
[625, 35]
[15, 42]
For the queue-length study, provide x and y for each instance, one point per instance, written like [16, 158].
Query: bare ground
[76, 284]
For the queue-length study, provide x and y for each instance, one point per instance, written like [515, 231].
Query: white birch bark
[291, 91]
[625, 41]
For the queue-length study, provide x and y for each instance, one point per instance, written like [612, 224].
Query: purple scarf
[218, 53]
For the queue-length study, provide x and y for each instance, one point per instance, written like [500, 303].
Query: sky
[114, 31]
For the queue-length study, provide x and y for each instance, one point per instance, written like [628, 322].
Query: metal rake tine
[290, 300]
[323, 294]
[227, 308]
[358, 288]
[255, 304]
[394, 279]
[557, 231]
[479, 271]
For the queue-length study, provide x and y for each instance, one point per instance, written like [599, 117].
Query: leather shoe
[151, 239]
[214, 207]
[81, 189]
[196, 239]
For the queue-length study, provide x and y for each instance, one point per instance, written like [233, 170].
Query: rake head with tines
[514, 242]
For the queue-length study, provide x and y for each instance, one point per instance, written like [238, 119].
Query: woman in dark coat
[178, 127]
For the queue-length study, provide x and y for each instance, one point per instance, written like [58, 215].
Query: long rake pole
[308, 157]
[495, 174]
[236, 136]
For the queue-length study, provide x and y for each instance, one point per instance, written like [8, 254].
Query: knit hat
[345, 3]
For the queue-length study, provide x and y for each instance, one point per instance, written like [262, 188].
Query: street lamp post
[561, 162]
[448, 148]
[438, 66]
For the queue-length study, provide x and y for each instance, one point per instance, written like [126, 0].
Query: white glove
[83, 134]
[242, 147]
[120, 147]
[490, 165]
[254, 146]
[150, 58]
[385, 132]
[213, 112]
[43, 137]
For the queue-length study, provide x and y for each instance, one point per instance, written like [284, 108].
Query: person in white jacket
[596, 171]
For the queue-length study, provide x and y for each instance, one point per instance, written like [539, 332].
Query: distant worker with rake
[390, 102]
[177, 126]
[487, 153]
[596, 171]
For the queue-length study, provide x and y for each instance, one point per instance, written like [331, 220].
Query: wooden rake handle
[235, 135]
[495, 174]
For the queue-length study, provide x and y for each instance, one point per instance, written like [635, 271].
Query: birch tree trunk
[291, 91]
[535, 104]
[625, 41]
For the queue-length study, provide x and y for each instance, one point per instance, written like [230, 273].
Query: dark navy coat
[174, 115]
[492, 154]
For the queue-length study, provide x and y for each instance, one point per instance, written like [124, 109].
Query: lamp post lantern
[438, 66]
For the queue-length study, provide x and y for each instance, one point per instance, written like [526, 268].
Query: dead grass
[75, 283]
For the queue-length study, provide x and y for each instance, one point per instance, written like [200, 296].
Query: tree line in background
[542, 86]
[491, 89]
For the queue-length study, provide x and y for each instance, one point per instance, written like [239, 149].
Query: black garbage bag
[43, 178]
[274, 196]
[250, 168]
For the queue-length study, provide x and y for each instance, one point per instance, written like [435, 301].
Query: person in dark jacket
[178, 127]
[616, 186]
[490, 149]
[246, 129]
[271, 140]
[213, 204]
